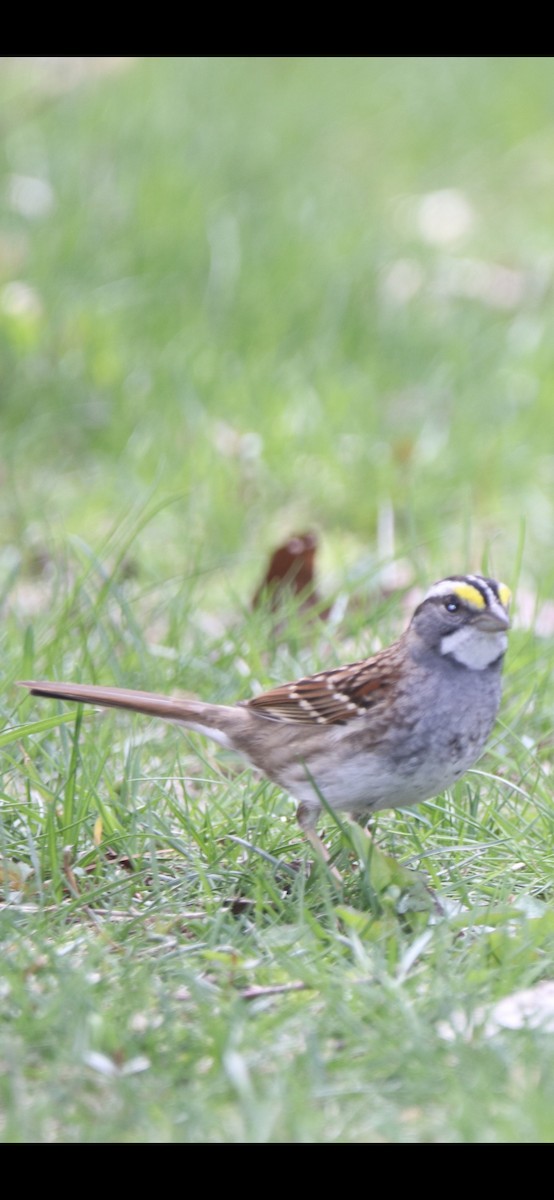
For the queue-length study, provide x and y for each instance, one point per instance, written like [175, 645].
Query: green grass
[233, 308]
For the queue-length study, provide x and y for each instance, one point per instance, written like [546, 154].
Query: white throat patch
[474, 648]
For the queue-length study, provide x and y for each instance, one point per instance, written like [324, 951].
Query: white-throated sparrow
[384, 732]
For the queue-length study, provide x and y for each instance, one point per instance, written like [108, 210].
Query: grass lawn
[241, 299]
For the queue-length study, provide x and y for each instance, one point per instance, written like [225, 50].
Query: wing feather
[333, 697]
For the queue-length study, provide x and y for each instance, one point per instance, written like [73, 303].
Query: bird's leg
[362, 819]
[306, 819]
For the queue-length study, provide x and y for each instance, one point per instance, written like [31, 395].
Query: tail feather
[211, 719]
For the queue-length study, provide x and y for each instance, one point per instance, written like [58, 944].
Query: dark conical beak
[493, 619]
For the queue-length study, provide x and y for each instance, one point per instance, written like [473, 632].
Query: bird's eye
[451, 605]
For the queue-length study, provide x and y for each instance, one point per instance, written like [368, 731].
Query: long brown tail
[216, 720]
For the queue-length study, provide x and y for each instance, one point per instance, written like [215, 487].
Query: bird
[387, 731]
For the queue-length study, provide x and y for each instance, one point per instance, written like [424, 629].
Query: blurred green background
[278, 293]
[241, 298]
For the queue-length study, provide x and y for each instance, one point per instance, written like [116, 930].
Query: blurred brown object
[291, 571]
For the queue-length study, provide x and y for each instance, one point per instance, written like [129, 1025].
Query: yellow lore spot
[469, 593]
[504, 594]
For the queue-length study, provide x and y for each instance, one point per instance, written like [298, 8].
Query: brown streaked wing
[331, 697]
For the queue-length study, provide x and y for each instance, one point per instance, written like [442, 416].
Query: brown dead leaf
[69, 872]
[13, 876]
[291, 571]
